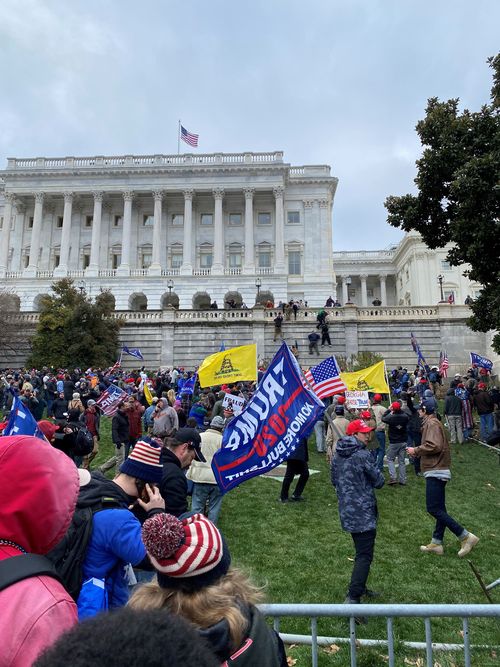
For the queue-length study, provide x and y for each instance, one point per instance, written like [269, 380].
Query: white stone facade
[153, 229]
[190, 229]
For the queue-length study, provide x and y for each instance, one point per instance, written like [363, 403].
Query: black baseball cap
[191, 437]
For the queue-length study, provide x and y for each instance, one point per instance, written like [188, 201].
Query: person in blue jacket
[116, 532]
[355, 475]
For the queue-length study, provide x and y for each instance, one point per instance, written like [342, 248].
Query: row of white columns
[158, 197]
[364, 293]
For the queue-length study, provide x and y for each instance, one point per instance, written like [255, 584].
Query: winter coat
[59, 407]
[120, 428]
[36, 610]
[165, 420]
[434, 450]
[483, 403]
[115, 540]
[134, 415]
[211, 442]
[354, 476]
[452, 404]
[261, 645]
[173, 485]
[398, 425]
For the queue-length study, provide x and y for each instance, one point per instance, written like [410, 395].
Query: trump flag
[22, 422]
[108, 401]
[268, 430]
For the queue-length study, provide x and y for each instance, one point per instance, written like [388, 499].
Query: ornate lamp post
[348, 282]
[258, 284]
[440, 279]
[170, 285]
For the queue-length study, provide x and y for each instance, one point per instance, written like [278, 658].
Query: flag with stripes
[325, 378]
[443, 364]
[22, 422]
[189, 137]
[110, 398]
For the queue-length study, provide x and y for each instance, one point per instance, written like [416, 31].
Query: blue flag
[482, 362]
[416, 348]
[133, 351]
[22, 422]
[187, 386]
[280, 413]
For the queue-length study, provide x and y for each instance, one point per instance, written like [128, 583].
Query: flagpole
[387, 381]
[179, 138]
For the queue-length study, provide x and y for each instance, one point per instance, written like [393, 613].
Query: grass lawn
[300, 553]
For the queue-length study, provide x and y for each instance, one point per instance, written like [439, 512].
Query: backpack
[17, 568]
[84, 442]
[69, 554]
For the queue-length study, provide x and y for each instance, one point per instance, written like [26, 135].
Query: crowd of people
[148, 537]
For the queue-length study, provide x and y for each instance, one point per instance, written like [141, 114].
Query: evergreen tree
[458, 198]
[74, 331]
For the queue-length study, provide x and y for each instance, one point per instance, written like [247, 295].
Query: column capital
[157, 195]
[218, 193]
[363, 276]
[249, 192]
[39, 196]
[188, 194]
[68, 197]
[323, 203]
[98, 195]
[128, 195]
[308, 203]
[278, 192]
[344, 277]
[10, 197]
[382, 276]
[20, 207]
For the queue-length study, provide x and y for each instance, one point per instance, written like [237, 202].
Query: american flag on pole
[189, 137]
[108, 401]
[443, 364]
[325, 378]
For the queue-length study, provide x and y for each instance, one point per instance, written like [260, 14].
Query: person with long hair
[195, 580]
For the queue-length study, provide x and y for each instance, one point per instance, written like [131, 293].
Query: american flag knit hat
[189, 554]
[143, 461]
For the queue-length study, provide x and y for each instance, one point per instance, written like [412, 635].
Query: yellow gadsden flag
[147, 393]
[233, 365]
[369, 379]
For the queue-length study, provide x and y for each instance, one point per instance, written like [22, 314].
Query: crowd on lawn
[155, 545]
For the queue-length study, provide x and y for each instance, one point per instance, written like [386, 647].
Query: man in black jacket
[178, 453]
[119, 435]
[398, 437]
[453, 413]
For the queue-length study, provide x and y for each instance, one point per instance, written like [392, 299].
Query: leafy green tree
[458, 198]
[74, 331]
[357, 362]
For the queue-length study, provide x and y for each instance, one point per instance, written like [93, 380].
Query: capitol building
[188, 230]
[237, 229]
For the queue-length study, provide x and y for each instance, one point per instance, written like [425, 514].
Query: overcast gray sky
[339, 82]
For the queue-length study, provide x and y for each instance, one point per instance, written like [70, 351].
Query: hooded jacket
[452, 404]
[261, 645]
[398, 425]
[37, 500]
[354, 476]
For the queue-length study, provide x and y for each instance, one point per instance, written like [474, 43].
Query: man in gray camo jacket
[355, 476]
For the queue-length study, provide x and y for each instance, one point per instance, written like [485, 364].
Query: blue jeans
[487, 425]
[380, 435]
[415, 440]
[319, 432]
[202, 493]
[436, 506]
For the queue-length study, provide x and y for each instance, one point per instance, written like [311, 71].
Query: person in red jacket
[134, 413]
[37, 500]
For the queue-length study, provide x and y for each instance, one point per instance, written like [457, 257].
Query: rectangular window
[235, 260]
[294, 263]
[60, 221]
[30, 222]
[369, 292]
[57, 259]
[445, 266]
[26, 261]
[89, 219]
[116, 260]
[1, 222]
[235, 219]
[86, 261]
[117, 220]
[264, 219]
[206, 260]
[148, 220]
[206, 219]
[293, 217]
[264, 259]
[176, 261]
[177, 219]
[147, 258]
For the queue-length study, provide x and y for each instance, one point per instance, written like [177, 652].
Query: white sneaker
[468, 544]
[432, 548]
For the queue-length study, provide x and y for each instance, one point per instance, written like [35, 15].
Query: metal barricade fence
[389, 611]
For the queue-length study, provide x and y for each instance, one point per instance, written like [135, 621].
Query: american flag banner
[443, 364]
[109, 399]
[189, 137]
[325, 378]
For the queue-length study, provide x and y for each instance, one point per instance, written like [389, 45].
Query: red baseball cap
[341, 400]
[365, 414]
[396, 405]
[358, 426]
[377, 398]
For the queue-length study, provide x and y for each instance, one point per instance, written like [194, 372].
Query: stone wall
[184, 338]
